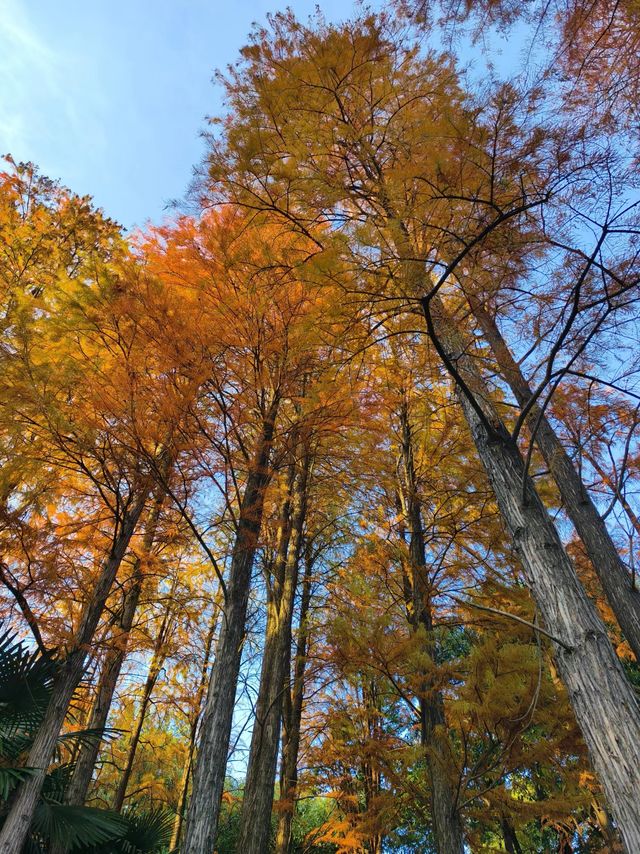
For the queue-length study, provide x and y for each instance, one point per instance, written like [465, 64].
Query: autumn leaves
[332, 417]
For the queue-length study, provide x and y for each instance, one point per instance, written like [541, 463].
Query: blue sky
[109, 95]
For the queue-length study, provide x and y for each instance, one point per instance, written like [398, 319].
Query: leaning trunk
[18, 821]
[257, 804]
[603, 701]
[211, 763]
[614, 577]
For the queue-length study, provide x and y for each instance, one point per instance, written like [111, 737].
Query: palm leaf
[149, 831]
[10, 777]
[26, 681]
[56, 783]
[79, 737]
[76, 828]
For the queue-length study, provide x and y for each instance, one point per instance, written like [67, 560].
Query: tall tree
[346, 165]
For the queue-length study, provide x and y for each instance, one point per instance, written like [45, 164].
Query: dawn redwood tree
[589, 524]
[112, 665]
[292, 703]
[447, 824]
[380, 143]
[282, 584]
[322, 408]
[76, 407]
[252, 311]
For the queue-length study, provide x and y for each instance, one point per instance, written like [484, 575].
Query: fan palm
[26, 681]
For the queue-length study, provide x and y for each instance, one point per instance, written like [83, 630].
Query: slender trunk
[114, 659]
[447, 824]
[18, 821]
[193, 728]
[614, 487]
[293, 700]
[614, 577]
[603, 701]
[255, 822]
[157, 662]
[370, 773]
[211, 761]
[511, 844]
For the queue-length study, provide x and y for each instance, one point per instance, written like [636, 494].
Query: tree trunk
[16, 827]
[447, 825]
[193, 728]
[372, 778]
[114, 659]
[255, 822]
[511, 844]
[603, 701]
[211, 761]
[292, 702]
[614, 577]
[157, 662]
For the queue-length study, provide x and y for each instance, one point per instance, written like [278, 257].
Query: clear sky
[109, 95]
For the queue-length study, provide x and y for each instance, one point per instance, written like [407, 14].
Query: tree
[345, 164]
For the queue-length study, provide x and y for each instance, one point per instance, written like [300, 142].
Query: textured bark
[211, 760]
[614, 577]
[447, 824]
[292, 703]
[255, 822]
[193, 728]
[114, 659]
[157, 662]
[18, 821]
[603, 701]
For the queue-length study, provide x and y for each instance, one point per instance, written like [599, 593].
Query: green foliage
[26, 682]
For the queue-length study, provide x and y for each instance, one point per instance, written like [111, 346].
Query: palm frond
[149, 830]
[26, 681]
[77, 828]
[76, 738]
[11, 777]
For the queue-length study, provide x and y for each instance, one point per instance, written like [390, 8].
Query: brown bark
[447, 824]
[292, 703]
[603, 701]
[211, 760]
[18, 821]
[614, 577]
[255, 822]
